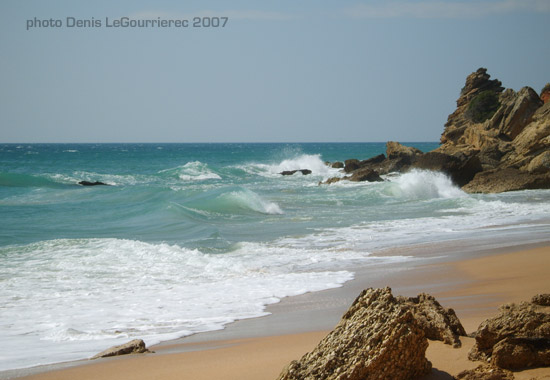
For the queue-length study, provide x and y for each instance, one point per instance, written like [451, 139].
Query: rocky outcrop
[541, 300]
[291, 172]
[397, 150]
[511, 131]
[545, 93]
[485, 372]
[136, 346]
[461, 168]
[377, 338]
[519, 337]
[437, 322]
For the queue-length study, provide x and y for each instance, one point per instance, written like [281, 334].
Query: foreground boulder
[136, 346]
[485, 372]
[519, 337]
[377, 338]
[437, 322]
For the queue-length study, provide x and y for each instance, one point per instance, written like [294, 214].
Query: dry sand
[474, 288]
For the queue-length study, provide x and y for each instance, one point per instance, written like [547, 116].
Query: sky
[277, 71]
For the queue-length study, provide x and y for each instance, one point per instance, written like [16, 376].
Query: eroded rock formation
[136, 346]
[377, 338]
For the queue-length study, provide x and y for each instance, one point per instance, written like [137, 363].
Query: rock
[136, 346]
[396, 150]
[540, 164]
[509, 179]
[520, 353]
[461, 168]
[525, 320]
[291, 172]
[96, 183]
[351, 165]
[485, 372]
[437, 322]
[515, 113]
[337, 165]
[377, 338]
[541, 300]
[373, 160]
[365, 174]
[545, 93]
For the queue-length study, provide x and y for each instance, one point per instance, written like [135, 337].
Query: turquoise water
[189, 237]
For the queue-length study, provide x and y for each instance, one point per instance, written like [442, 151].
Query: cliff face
[507, 131]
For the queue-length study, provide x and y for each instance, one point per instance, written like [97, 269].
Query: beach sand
[258, 349]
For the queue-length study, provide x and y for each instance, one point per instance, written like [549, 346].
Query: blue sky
[279, 71]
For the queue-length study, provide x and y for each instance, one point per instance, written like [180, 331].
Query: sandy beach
[473, 287]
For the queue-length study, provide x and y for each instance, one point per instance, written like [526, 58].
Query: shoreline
[305, 319]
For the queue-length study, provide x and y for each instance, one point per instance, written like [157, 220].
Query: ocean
[190, 237]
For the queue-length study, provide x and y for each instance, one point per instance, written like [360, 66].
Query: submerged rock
[136, 346]
[377, 338]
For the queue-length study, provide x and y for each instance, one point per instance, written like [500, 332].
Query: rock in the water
[485, 372]
[291, 172]
[365, 174]
[437, 322]
[526, 321]
[136, 346]
[377, 338]
[337, 165]
[397, 150]
[509, 179]
[96, 183]
[351, 165]
[461, 167]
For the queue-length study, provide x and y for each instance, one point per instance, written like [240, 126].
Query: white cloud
[232, 14]
[445, 9]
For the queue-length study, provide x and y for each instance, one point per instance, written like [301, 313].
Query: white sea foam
[193, 171]
[312, 162]
[425, 184]
[250, 200]
[67, 299]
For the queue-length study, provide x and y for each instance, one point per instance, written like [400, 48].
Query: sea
[190, 237]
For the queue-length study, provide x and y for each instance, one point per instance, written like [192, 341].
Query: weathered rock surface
[545, 93]
[509, 179]
[516, 338]
[291, 172]
[461, 168]
[485, 372]
[136, 346]
[337, 165]
[541, 300]
[351, 165]
[397, 150]
[437, 322]
[377, 338]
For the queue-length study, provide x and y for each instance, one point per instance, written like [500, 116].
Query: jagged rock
[337, 165]
[525, 320]
[96, 183]
[545, 93]
[461, 167]
[485, 372]
[373, 160]
[291, 172]
[541, 300]
[365, 174]
[509, 179]
[397, 150]
[136, 346]
[437, 322]
[377, 338]
[520, 353]
[351, 165]
[515, 112]
[540, 164]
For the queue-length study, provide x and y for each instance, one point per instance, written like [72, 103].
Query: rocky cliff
[496, 140]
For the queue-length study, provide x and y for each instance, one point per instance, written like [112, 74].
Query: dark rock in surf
[291, 172]
[96, 183]
[136, 346]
